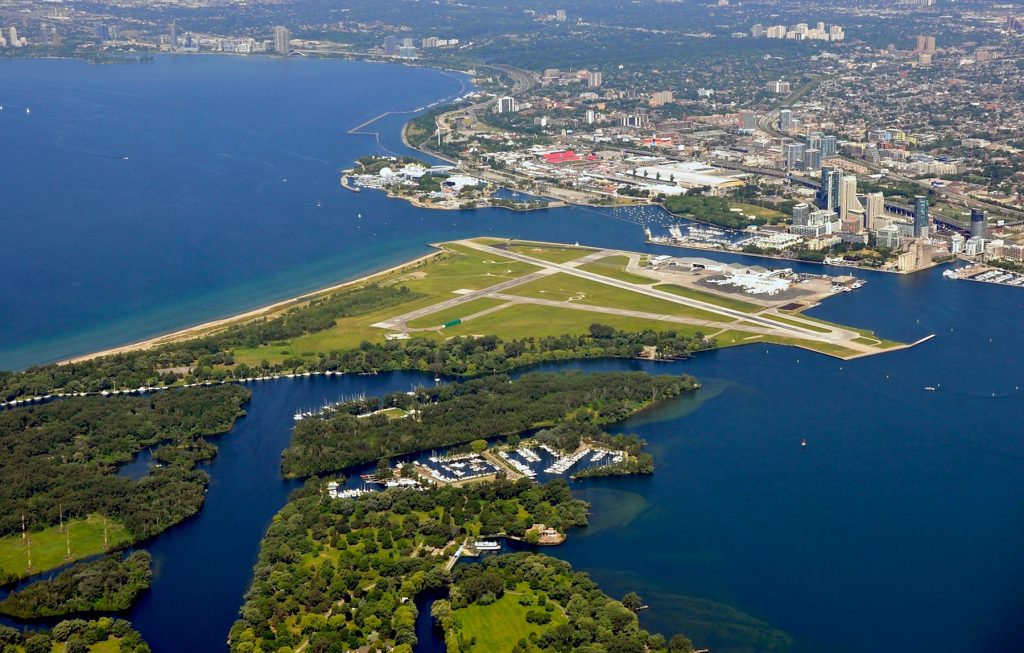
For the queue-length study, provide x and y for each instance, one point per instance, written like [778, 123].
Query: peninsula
[525, 295]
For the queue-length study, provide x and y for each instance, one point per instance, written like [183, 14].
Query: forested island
[342, 574]
[108, 584]
[60, 487]
[482, 408]
[103, 635]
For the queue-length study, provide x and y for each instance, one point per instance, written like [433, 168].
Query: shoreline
[212, 325]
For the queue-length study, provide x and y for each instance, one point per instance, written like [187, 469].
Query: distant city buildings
[430, 42]
[778, 87]
[391, 46]
[594, 79]
[799, 32]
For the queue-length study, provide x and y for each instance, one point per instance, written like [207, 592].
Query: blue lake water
[898, 527]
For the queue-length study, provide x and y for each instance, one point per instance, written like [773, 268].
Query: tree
[478, 446]
[632, 601]
[41, 643]
[383, 470]
[680, 644]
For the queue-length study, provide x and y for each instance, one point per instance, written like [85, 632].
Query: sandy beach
[213, 325]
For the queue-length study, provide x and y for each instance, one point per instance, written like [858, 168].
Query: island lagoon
[897, 527]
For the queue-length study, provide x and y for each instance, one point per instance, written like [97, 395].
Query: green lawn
[758, 211]
[498, 626]
[711, 298]
[49, 546]
[734, 337]
[615, 267]
[565, 287]
[112, 645]
[550, 253]
[456, 312]
[525, 320]
[437, 280]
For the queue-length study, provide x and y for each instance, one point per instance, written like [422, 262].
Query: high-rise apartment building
[812, 160]
[875, 210]
[794, 156]
[851, 211]
[829, 146]
[282, 40]
[828, 194]
[920, 217]
[785, 120]
[507, 105]
[979, 224]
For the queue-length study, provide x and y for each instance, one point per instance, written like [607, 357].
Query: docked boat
[486, 545]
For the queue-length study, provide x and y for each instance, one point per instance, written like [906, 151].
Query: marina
[986, 274]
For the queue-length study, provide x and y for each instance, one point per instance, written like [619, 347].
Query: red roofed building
[564, 156]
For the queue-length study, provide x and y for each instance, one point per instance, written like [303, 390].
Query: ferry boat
[929, 388]
[486, 545]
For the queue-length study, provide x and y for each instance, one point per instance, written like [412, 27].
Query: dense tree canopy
[342, 574]
[63, 456]
[108, 584]
[458, 413]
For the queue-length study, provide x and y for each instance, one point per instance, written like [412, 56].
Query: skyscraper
[828, 194]
[102, 32]
[875, 210]
[979, 224]
[172, 36]
[594, 79]
[812, 160]
[794, 156]
[801, 214]
[282, 40]
[391, 45]
[785, 120]
[851, 211]
[828, 146]
[814, 140]
[920, 217]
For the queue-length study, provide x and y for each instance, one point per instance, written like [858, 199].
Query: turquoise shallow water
[897, 528]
